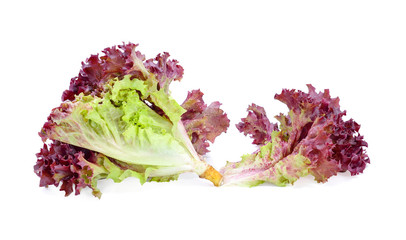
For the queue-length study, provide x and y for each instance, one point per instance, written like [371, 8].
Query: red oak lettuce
[124, 100]
[311, 139]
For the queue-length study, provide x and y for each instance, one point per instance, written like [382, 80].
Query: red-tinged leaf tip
[203, 123]
[193, 104]
[165, 70]
[257, 125]
[117, 61]
[61, 163]
[349, 149]
[57, 113]
[314, 104]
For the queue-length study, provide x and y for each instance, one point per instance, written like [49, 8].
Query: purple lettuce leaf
[64, 164]
[75, 168]
[203, 123]
[165, 70]
[257, 125]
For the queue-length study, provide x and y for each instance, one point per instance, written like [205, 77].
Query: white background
[235, 52]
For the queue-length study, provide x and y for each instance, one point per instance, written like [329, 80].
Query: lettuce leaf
[77, 168]
[257, 125]
[122, 126]
[203, 123]
[311, 139]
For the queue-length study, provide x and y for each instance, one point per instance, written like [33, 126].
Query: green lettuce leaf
[122, 125]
